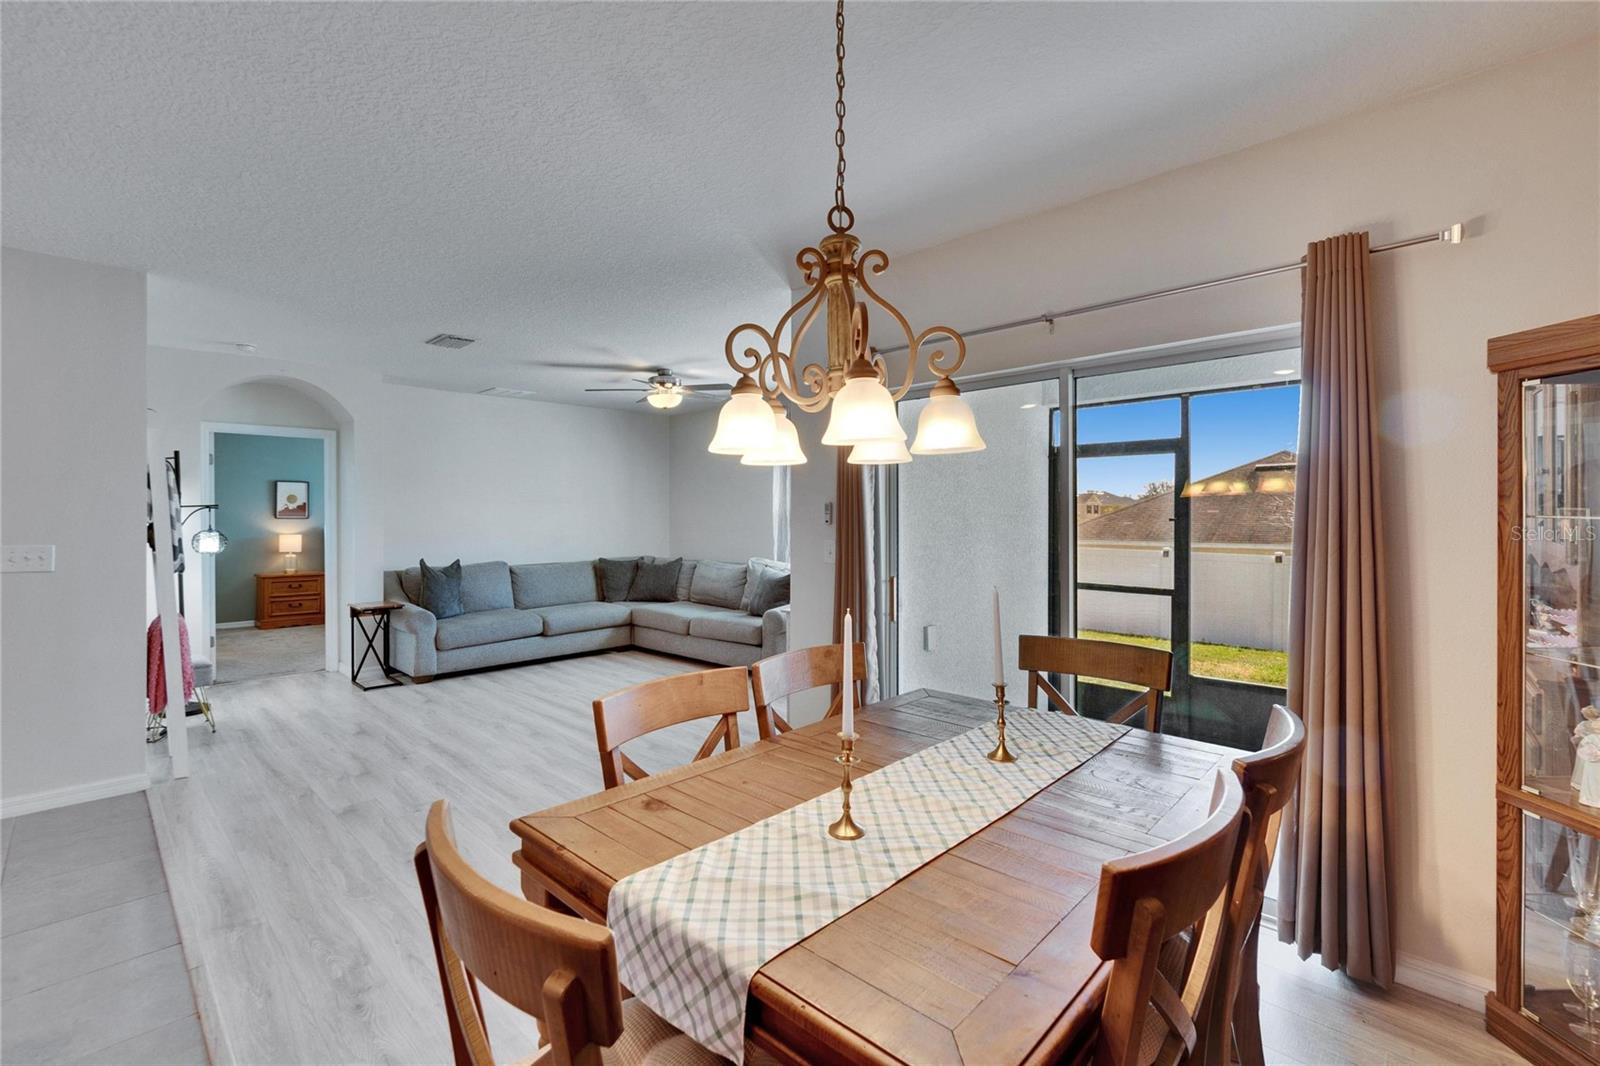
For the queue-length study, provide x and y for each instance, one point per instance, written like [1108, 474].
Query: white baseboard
[1422, 975]
[235, 625]
[1442, 982]
[50, 799]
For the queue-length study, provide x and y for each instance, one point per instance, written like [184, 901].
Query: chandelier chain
[841, 218]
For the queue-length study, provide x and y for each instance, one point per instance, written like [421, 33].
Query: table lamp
[289, 544]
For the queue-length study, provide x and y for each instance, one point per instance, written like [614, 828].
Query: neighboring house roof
[1103, 498]
[1249, 504]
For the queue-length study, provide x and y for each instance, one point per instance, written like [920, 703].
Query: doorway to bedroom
[270, 588]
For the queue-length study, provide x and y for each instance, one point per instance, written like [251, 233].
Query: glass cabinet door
[1559, 525]
[1561, 932]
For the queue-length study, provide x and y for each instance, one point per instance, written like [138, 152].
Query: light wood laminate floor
[289, 855]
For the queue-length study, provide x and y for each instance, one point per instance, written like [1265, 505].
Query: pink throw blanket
[155, 675]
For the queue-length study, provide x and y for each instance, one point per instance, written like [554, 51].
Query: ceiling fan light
[946, 426]
[879, 453]
[745, 424]
[785, 449]
[861, 412]
[664, 399]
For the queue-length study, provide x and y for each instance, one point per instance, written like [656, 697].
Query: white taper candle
[848, 725]
[999, 675]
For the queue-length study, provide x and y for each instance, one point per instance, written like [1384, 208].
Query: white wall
[429, 473]
[73, 475]
[1515, 152]
[187, 388]
[483, 477]
[719, 509]
[971, 524]
[265, 403]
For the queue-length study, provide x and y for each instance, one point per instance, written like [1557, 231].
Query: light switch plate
[29, 559]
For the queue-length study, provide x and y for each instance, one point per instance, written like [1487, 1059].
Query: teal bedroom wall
[246, 467]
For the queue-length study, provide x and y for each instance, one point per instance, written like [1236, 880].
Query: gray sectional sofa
[533, 611]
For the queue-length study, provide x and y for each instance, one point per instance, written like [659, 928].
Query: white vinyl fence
[1238, 595]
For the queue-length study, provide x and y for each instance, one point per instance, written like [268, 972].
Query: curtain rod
[1449, 235]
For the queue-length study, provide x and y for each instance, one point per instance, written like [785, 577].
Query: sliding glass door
[1132, 563]
[1151, 506]
[1191, 469]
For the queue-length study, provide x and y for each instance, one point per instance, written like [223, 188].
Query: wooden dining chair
[1268, 779]
[1128, 663]
[1146, 899]
[645, 708]
[559, 969]
[782, 675]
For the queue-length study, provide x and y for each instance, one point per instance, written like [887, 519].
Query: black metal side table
[379, 612]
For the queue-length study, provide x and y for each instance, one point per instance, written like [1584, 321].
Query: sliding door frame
[1178, 595]
[1065, 373]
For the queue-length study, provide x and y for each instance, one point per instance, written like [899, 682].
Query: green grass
[1257, 666]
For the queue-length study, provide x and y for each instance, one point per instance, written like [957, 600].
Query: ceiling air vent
[448, 340]
[515, 394]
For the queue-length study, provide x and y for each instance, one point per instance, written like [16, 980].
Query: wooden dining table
[979, 956]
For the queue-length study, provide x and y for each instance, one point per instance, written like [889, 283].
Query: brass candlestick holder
[1001, 753]
[846, 828]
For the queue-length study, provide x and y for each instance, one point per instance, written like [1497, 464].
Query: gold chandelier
[754, 423]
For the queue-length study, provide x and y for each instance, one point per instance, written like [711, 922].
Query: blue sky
[1225, 429]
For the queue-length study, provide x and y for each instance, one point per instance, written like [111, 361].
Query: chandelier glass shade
[879, 453]
[946, 425]
[663, 399]
[863, 413]
[785, 448]
[745, 424]
[854, 378]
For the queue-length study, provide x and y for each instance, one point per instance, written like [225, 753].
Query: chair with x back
[1268, 778]
[560, 969]
[1145, 900]
[667, 701]
[778, 676]
[1128, 663]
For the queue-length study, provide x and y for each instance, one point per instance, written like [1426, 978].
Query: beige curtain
[850, 548]
[1334, 893]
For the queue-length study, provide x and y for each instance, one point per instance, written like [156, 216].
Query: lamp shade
[208, 542]
[289, 543]
[863, 411]
[946, 425]
[745, 424]
[663, 399]
[879, 453]
[785, 449]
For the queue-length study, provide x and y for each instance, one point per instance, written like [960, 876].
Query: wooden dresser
[289, 599]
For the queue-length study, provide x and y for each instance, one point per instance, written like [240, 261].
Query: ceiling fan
[665, 390]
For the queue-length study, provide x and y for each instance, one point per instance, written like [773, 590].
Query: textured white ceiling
[626, 182]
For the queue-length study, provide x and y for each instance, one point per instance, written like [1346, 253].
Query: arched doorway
[271, 452]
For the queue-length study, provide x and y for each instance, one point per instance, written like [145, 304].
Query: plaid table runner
[692, 931]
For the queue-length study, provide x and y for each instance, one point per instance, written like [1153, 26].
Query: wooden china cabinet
[1546, 1002]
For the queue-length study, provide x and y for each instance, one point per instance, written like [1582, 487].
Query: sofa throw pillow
[718, 584]
[441, 589]
[685, 579]
[655, 581]
[773, 591]
[616, 577]
[752, 579]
